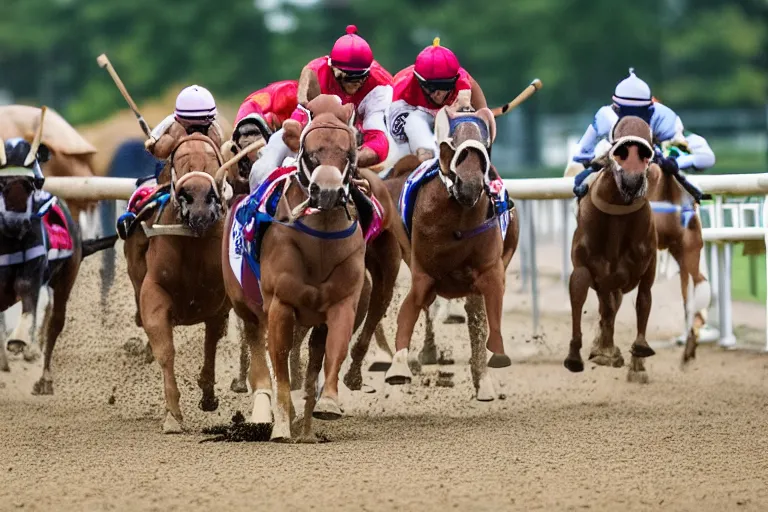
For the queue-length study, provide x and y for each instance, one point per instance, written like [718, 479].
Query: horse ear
[446, 155]
[292, 134]
[486, 115]
[43, 153]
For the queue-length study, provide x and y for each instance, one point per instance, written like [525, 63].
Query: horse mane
[405, 166]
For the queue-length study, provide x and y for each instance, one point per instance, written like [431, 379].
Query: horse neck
[669, 190]
[608, 189]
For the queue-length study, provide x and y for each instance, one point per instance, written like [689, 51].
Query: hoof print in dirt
[239, 431]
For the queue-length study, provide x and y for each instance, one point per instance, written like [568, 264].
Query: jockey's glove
[668, 165]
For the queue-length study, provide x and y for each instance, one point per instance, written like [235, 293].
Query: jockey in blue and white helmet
[632, 97]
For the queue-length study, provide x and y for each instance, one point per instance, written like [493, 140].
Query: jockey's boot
[580, 187]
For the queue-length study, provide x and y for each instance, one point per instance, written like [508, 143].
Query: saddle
[147, 199]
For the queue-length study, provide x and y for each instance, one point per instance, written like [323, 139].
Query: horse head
[19, 171]
[192, 166]
[464, 137]
[630, 156]
[326, 151]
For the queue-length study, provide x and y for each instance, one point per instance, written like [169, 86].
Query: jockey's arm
[375, 145]
[158, 132]
[309, 86]
[478, 97]
[700, 156]
[272, 157]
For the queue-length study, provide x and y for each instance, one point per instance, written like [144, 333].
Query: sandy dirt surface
[693, 439]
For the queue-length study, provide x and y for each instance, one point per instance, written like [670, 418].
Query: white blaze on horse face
[327, 177]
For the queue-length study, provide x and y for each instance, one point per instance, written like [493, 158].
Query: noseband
[178, 183]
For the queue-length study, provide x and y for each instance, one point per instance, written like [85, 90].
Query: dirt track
[689, 440]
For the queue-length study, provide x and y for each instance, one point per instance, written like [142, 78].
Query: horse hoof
[399, 373]
[642, 350]
[379, 366]
[637, 377]
[171, 425]
[209, 404]
[428, 356]
[262, 406]
[16, 347]
[281, 434]
[499, 361]
[327, 409]
[353, 379]
[485, 389]
[43, 387]
[238, 386]
[574, 365]
[455, 319]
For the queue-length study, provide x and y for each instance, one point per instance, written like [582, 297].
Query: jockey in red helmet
[260, 115]
[420, 91]
[351, 73]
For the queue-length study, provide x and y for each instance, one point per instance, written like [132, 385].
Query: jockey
[351, 74]
[633, 97]
[262, 114]
[16, 154]
[421, 90]
[195, 112]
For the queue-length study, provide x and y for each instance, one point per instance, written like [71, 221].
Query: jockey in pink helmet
[351, 73]
[420, 91]
[195, 112]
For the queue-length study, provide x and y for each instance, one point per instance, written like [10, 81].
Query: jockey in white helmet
[632, 97]
[195, 112]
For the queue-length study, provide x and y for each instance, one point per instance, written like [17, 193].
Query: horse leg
[371, 308]
[258, 375]
[699, 292]
[3, 356]
[24, 335]
[604, 352]
[239, 384]
[419, 297]
[294, 361]
[640, 348]
[56, 314]
[316, 352]
[156, 318]
[578, 287]
[478, 365]
[280, 336]
[341, 322]
[491, 285]
[215, 329]
[428, 354]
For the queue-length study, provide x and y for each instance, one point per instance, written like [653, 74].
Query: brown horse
[175, 268]
[614, 247]
[460, 242]
[312, 268]
[684, 242]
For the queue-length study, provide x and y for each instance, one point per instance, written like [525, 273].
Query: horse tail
[98, 244]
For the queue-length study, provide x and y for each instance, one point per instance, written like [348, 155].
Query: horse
[382, 263]
[40, 245]
[295, 256]
[614, 247]
[463, 233]
[174, 264]
[678, 228]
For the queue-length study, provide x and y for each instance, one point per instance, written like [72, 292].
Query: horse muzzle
[467, 193]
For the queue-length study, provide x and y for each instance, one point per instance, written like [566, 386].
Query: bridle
[178, 183]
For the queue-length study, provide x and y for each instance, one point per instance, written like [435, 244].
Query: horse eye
[462, 157]
[621, 152]
[186, 196]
